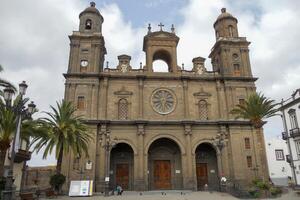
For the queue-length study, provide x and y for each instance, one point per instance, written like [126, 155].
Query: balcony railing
[295, 132]
[22, 155]
[284, 135]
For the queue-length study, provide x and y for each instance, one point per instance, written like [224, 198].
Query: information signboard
[81, 188]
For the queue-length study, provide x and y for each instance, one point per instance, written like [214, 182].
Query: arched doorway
[121, 166]
[164, 165]
[206, 167]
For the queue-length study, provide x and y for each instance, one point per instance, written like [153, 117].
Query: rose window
[163, 101]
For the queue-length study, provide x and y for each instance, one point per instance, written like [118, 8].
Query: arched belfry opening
[161, 46]
[162, 61]
[206, 167]
[164, 165]
[122, 166]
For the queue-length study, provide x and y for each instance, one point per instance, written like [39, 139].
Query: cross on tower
[161, 25]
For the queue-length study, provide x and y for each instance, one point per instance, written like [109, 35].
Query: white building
[279, 168]
[290, 109]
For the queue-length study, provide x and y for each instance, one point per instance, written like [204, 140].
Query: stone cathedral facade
[167, 130]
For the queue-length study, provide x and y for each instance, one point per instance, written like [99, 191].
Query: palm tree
[65, 132]
[256, 108]
[5, 83]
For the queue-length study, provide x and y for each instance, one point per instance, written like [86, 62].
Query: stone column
[185, 99]
[139, 182]
[141, 97]
[100, 160]
[188, 176]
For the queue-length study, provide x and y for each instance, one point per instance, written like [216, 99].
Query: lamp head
[31, 107]
[22, 88]
[8, 93]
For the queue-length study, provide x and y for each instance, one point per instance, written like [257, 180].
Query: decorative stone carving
[198, 65]
[163, 101]
[124, 63]
[123, 92]
[202, 94]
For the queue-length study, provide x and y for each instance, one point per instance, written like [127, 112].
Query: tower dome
[226, 25]
[90, 19]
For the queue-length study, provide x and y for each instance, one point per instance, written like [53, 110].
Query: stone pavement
[172, 195]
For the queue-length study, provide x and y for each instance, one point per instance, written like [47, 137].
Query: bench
[27, 196]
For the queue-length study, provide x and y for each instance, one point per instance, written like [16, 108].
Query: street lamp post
[107, 145]
[19, 110]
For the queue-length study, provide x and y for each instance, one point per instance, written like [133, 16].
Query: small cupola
[226, 25]
[90, 19]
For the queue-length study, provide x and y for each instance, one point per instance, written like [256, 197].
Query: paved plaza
[173, 195]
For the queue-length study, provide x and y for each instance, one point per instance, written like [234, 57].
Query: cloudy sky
[34, 44]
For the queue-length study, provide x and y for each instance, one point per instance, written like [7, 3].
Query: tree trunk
[59, 161]
[2, 161]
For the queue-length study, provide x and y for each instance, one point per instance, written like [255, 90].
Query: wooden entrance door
[122, 175]
[202, 178]
[162, 174]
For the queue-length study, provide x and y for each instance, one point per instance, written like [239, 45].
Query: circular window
[163, 101]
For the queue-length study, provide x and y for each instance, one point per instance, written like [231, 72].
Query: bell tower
[87, 46]
[161, 45]
[230, 54]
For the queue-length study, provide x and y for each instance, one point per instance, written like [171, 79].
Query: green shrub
[254, 192]
[57, 180]
[262, 185]
[275, 191]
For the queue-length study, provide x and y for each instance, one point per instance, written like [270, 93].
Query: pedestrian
[119, 190]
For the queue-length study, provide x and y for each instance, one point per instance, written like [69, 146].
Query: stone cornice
[171, 122]
[169, 76]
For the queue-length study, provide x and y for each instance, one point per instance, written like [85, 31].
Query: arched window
[203, 110]
[230, 29]
[293, 118]
[123, 109]
[237, 70]
[88, 24]
[161, 61]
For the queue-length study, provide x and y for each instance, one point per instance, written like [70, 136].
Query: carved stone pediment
[123, 91]
[124, 63]
[202, 94]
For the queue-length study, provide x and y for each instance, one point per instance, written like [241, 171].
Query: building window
[279, 154]
[123, 109]
[297, 144]
[293, 118]
[249, 161]
[203, 110]
[230, 29]
[88, 24]
[247, 143]
[237, 71]
[80, 103]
